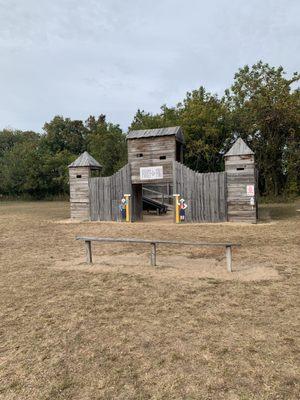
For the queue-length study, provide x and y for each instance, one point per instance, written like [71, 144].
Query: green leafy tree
[18, 165]
[261, 106]
[65, 134]
[53, 174]
[143, 120]
[106, 143]
[266, 114]
[9, 138]
[205, 122]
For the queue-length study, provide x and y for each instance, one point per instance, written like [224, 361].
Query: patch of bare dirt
[170, 267]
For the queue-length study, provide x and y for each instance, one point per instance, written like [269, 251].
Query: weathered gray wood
[79, 192]
[202, 193]
[229, 258]
[207, 216]
[135, 240]
[205, 194]
[145, 151]
[222, 196]
[239, 148]
[240, 171]
[88, 249]
[106, 192]
[85, 160]
[211, 197]
[154, 243]
[198, 194]
[201, 198]
[153, 254]
[146, 133]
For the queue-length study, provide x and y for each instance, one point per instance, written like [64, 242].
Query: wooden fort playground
[156, 179]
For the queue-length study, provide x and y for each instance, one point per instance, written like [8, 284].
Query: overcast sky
[76, 58]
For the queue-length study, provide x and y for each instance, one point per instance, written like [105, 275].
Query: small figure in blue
[182, 207]
[122, 208]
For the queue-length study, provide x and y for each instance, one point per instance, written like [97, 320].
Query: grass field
[123, 330]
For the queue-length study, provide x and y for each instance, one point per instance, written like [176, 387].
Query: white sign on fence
[250, 190]
[150, 173]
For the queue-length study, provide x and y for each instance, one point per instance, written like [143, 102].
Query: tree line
[262, 106]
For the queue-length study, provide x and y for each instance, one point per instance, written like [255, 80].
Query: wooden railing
[161, 197]
[88, 245]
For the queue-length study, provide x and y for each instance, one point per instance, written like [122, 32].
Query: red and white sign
[250, 190]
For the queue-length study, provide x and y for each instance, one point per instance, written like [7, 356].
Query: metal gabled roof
[146, 133]
[239, 148]
[85, 160]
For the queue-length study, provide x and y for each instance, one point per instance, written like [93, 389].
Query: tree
[53, 174]
[106, 143]
[17, 167]
[261, 106]
[266, 114]
[9, 138]
[64, 134]
[205, 122]
[291, 155]
[143, 120]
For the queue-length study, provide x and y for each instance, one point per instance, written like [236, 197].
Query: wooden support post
[128, 207]
[153, 255]
[88, 249]
[176, 208]
[88, 244]
[229, 258]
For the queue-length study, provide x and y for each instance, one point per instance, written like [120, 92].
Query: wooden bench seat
[88, 245]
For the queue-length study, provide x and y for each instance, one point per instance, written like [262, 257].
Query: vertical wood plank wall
[240, 170]
[79, 192]
[205, 194]
[150, 150]
[106, 194]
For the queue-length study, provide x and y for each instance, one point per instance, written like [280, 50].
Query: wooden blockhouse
[151, 153]
[241, 183]
[79, 177]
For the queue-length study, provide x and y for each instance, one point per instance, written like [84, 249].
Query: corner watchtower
[79, 176]
[241, 183]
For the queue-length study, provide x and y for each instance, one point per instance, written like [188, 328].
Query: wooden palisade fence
[205, 194]
[106, 194]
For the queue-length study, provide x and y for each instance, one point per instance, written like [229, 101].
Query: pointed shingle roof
[85, 160]
[145, 133]
[239, 148]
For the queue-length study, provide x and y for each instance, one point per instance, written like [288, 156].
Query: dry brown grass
[120, 330]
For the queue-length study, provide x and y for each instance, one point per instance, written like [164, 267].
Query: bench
[88, 245]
